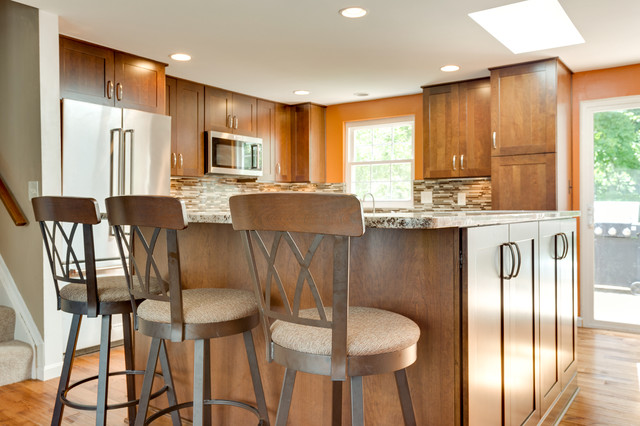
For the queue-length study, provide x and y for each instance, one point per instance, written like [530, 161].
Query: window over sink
[380, 161]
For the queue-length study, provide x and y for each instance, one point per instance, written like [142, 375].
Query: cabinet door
[218, 110]
[551, 247]
[245, 115]
[441, 131]
[267, 132]
[568, 303]
[190, 128]
[483, 395]
[523, 108]
[520, 338]
[140, 83]
[86, 72]
[171, 107]
[283, 143]
[523, 182]
[475, 128]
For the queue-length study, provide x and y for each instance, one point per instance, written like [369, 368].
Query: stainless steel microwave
[233, 154]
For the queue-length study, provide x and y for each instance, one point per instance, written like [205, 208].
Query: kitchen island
[443, 271]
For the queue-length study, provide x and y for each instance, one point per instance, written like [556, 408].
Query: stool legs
[255, 377]
[201, 382]
[336, 403]
[405, 397]
[168, 381]
[103, 371]
[66, 369]
[357, 401]
[285, 397]
[128, 365]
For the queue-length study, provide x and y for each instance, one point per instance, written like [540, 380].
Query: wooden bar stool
[66, 222]
[336, 340]
[175, 313]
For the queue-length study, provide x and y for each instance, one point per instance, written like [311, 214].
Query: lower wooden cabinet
[524, 182]
[185, 105]
[519, 332]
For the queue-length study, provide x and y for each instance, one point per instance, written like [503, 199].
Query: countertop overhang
[423, 220]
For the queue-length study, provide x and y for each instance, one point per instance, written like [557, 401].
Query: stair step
[15, 362]
[7, 323]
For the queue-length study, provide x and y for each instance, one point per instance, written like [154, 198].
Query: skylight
[529, 25]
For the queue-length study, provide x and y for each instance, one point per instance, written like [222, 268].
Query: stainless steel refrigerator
[112, 151]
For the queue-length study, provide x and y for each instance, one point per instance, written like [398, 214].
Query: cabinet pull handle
[109, 89]
[462, 162]
[119, 90]
[513, 261]
[494, 140]
[519, 259]
[557, 256]
[229, 121]
[565, 243]
[235, 122]
[454, 162]
[277, 168]
[174, 160]
[181, 161]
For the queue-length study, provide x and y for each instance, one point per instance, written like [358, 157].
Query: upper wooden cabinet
[274, 128]
[457, 129]
[308, 148]
[185, 105]
[230, 112]
[100, 75]
[531, 136]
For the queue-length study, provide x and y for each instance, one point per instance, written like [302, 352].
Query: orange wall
[598, 84]
[338, 115]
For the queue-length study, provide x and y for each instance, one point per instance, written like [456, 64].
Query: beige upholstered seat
[110, 289]
[371, 332]
[203, 305]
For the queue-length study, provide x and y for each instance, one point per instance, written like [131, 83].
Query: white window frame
[348, 155]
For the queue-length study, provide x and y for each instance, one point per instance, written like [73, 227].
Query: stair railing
[11, 205]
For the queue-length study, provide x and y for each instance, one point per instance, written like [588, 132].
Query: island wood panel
[414, 273]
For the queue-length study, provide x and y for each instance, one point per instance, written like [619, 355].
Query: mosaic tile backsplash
[211, 193]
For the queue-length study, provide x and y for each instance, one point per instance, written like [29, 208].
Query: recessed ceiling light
[449, 68]
[528, 26]
[301, 92]
[180, 57]
[353, 12]
[361, 94]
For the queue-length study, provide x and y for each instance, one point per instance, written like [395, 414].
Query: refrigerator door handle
[114, 186]
[127, 165]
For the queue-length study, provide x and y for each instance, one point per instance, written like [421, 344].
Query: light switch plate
[34, 190]
[426, 197]
[462, 199]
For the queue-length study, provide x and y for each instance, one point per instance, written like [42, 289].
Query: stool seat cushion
[203, 306]
[110, 289]
[370, 332]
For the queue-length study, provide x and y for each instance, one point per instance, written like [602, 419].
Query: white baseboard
[26, 329]
[51, 371]
[579, 322]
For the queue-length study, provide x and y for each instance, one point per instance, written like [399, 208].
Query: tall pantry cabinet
[531, 136]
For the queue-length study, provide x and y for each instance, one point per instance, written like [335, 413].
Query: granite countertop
[423, 220]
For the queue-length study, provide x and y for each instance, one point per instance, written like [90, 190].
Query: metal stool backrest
[330, 217]
[60, 218]
[128, 214]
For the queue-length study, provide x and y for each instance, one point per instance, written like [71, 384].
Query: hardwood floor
[608, 377]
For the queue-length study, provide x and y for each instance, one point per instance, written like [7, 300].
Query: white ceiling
[269, 48]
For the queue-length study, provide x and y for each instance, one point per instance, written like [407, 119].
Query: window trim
[348, 150]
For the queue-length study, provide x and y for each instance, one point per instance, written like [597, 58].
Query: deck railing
[11, 205]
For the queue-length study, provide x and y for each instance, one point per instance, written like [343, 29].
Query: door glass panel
[616, 147]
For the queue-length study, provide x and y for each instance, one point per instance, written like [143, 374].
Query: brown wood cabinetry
[530, 117]
[100, 75]
[308, 147]
[230, 112]
[283, 143]
[185, 105]
[274, 128]
[457, 129]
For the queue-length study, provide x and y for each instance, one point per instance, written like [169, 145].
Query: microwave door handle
[127, 169]
[254, 157]
[114, 179]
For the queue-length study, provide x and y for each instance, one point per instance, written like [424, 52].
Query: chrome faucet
[373, 200]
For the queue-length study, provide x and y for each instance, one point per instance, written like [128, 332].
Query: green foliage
[616, 145]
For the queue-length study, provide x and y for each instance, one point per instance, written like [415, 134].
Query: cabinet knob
[109, 89]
